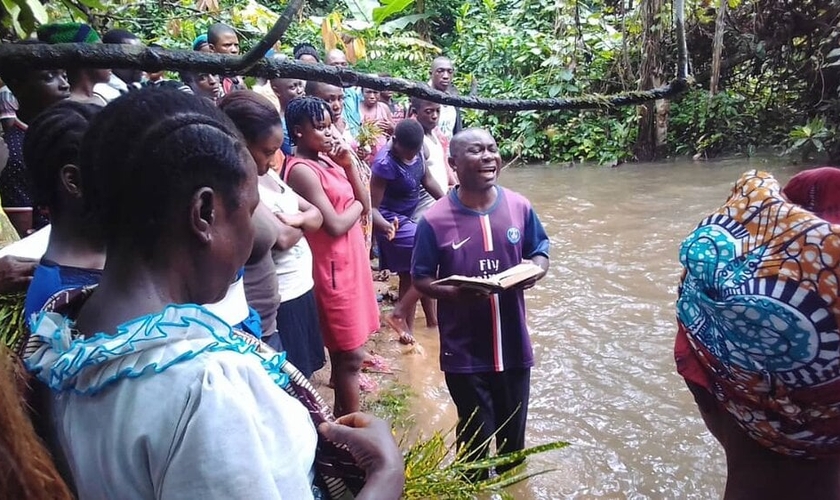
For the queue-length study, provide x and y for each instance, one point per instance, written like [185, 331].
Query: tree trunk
[717, 49]
[653, 123]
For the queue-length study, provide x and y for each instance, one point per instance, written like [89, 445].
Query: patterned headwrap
[67, 33]
[200, 41]
[758, 314]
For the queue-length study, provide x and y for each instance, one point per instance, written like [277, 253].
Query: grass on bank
[434, 466]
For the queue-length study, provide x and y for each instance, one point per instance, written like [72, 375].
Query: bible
[495, 282]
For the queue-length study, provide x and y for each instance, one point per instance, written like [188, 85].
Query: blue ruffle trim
[144, 346]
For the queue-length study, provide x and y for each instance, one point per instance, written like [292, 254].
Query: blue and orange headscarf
[758, 314]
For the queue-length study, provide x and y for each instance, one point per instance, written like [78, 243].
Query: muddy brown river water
[602, 326]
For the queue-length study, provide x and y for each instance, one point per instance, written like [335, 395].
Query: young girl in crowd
[377, 113]
[334, 97]
[324, 174]
[263, 137]
[398, 109]
[282, 278]
[399, 174]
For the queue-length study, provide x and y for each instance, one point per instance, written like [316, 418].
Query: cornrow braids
[147, 153]
[253, 114]
[303, 109]
[52, 141]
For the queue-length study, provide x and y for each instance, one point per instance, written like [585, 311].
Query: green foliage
[512, 50]
[392, 403]
[810, 139]
[708, 126]
[429, 473]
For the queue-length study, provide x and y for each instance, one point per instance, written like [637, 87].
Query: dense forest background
[767, 71]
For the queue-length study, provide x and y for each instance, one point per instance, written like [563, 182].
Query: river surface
[602, 326]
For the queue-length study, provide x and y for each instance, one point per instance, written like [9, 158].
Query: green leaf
[401, 23]
[38, 11]
[362, 10]
[13, 10]
[390, 8]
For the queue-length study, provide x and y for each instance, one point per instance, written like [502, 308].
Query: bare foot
[401, 327]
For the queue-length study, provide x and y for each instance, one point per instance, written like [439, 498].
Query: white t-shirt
[448, 117]
[436, 160]
[168, 416]
[294, 266]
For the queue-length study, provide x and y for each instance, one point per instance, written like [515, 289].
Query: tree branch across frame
[253, 63]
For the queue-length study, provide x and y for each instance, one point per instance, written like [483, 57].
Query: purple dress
[402, 194]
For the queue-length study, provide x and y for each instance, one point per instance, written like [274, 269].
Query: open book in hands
[496, 282]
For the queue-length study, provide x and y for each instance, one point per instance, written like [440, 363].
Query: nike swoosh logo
[456, 246]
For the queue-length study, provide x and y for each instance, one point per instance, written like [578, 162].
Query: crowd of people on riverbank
[167, 225]
[190, 248]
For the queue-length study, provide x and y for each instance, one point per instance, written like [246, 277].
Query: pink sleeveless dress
[341, 267]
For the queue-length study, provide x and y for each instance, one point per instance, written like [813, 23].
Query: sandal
[367, 384]
[376, 364]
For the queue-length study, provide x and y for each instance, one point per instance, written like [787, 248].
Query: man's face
[334, 97]
[476, 159]
[442, 72]
[207, 85]
[428, 114]
[130, 75]
[228, 43]
[286, 89]
[336, 58]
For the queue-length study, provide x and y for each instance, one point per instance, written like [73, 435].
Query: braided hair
[305, 109]
[52, 141]
[148, 152]
[253, 114]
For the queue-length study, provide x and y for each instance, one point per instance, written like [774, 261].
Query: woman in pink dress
[323, 173]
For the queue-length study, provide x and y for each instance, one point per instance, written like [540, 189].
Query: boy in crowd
[440, 78]
[122, 80]
[479, 229]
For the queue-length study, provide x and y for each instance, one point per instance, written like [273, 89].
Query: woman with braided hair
[322, 171]
[278, 276]
[146, 380]
[75, 253]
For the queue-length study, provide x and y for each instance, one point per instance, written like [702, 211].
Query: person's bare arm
[310, 215]
[306, 183]
[432, 186]
[377, 192]
[343, 156]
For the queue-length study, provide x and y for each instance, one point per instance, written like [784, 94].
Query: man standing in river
[479, 229]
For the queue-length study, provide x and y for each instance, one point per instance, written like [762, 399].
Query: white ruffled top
[173, 406]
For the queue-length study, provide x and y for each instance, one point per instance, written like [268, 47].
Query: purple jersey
[486, 335]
